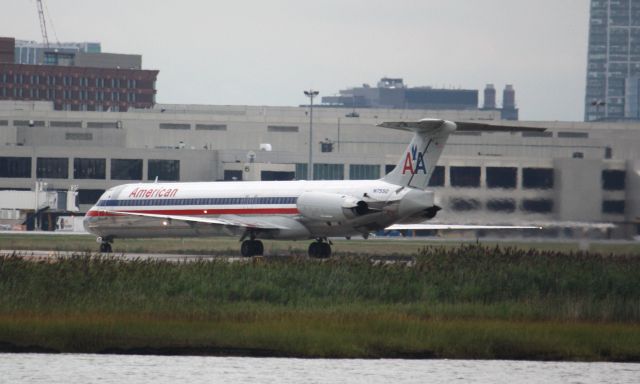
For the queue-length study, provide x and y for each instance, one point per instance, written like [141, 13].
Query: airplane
[289, 210]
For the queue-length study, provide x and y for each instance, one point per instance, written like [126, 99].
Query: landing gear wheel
[105, 247]
[259, 248]
[319, 250]
[314, 250]
[251, 248]
[105, 244]
[325, 250]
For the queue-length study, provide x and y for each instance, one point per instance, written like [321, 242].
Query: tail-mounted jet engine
[331, 206]
[417, 205]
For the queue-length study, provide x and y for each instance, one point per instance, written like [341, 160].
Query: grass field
[449, 302]
[231, 245]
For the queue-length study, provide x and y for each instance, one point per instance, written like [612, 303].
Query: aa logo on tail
[414, 162]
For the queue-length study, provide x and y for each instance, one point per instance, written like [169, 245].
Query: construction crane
[43, 23]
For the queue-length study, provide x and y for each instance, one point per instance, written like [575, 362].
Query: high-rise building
[489, 97]
[31, 52]
[76, 77]
[613, 58]
[632, 97]
[509, 110]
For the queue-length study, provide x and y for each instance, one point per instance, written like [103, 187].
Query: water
[79, 368]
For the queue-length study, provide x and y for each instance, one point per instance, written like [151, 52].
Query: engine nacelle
[330, 206]
[416, 203]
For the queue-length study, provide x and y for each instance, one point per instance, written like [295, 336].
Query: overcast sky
[267, 52]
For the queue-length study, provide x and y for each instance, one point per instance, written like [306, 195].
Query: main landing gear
[251, 248]
[321, 249]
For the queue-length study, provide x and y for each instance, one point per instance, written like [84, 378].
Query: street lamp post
[310, 94]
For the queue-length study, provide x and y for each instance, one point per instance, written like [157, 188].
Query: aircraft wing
[529, 225]
[233, 221]
[398, 227]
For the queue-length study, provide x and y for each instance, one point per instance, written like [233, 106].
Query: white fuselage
[290, 209]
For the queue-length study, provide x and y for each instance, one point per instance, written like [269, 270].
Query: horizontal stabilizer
[423, 125]
[416, 165]
[426, 125]
[463, 126]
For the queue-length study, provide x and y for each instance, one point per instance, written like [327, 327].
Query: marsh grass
[227, 246]
[320, 334]
[464, 302]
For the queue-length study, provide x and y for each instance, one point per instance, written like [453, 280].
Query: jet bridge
[35, 209]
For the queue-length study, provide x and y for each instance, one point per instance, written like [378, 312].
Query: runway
[40, 255]
[52, 256]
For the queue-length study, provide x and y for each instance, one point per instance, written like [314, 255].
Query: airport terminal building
[573, 172]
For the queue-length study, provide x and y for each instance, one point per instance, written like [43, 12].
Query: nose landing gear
[105, 244]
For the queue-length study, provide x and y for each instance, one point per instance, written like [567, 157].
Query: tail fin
[419, 159]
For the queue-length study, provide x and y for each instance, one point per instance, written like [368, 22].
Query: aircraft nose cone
[415, 201]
